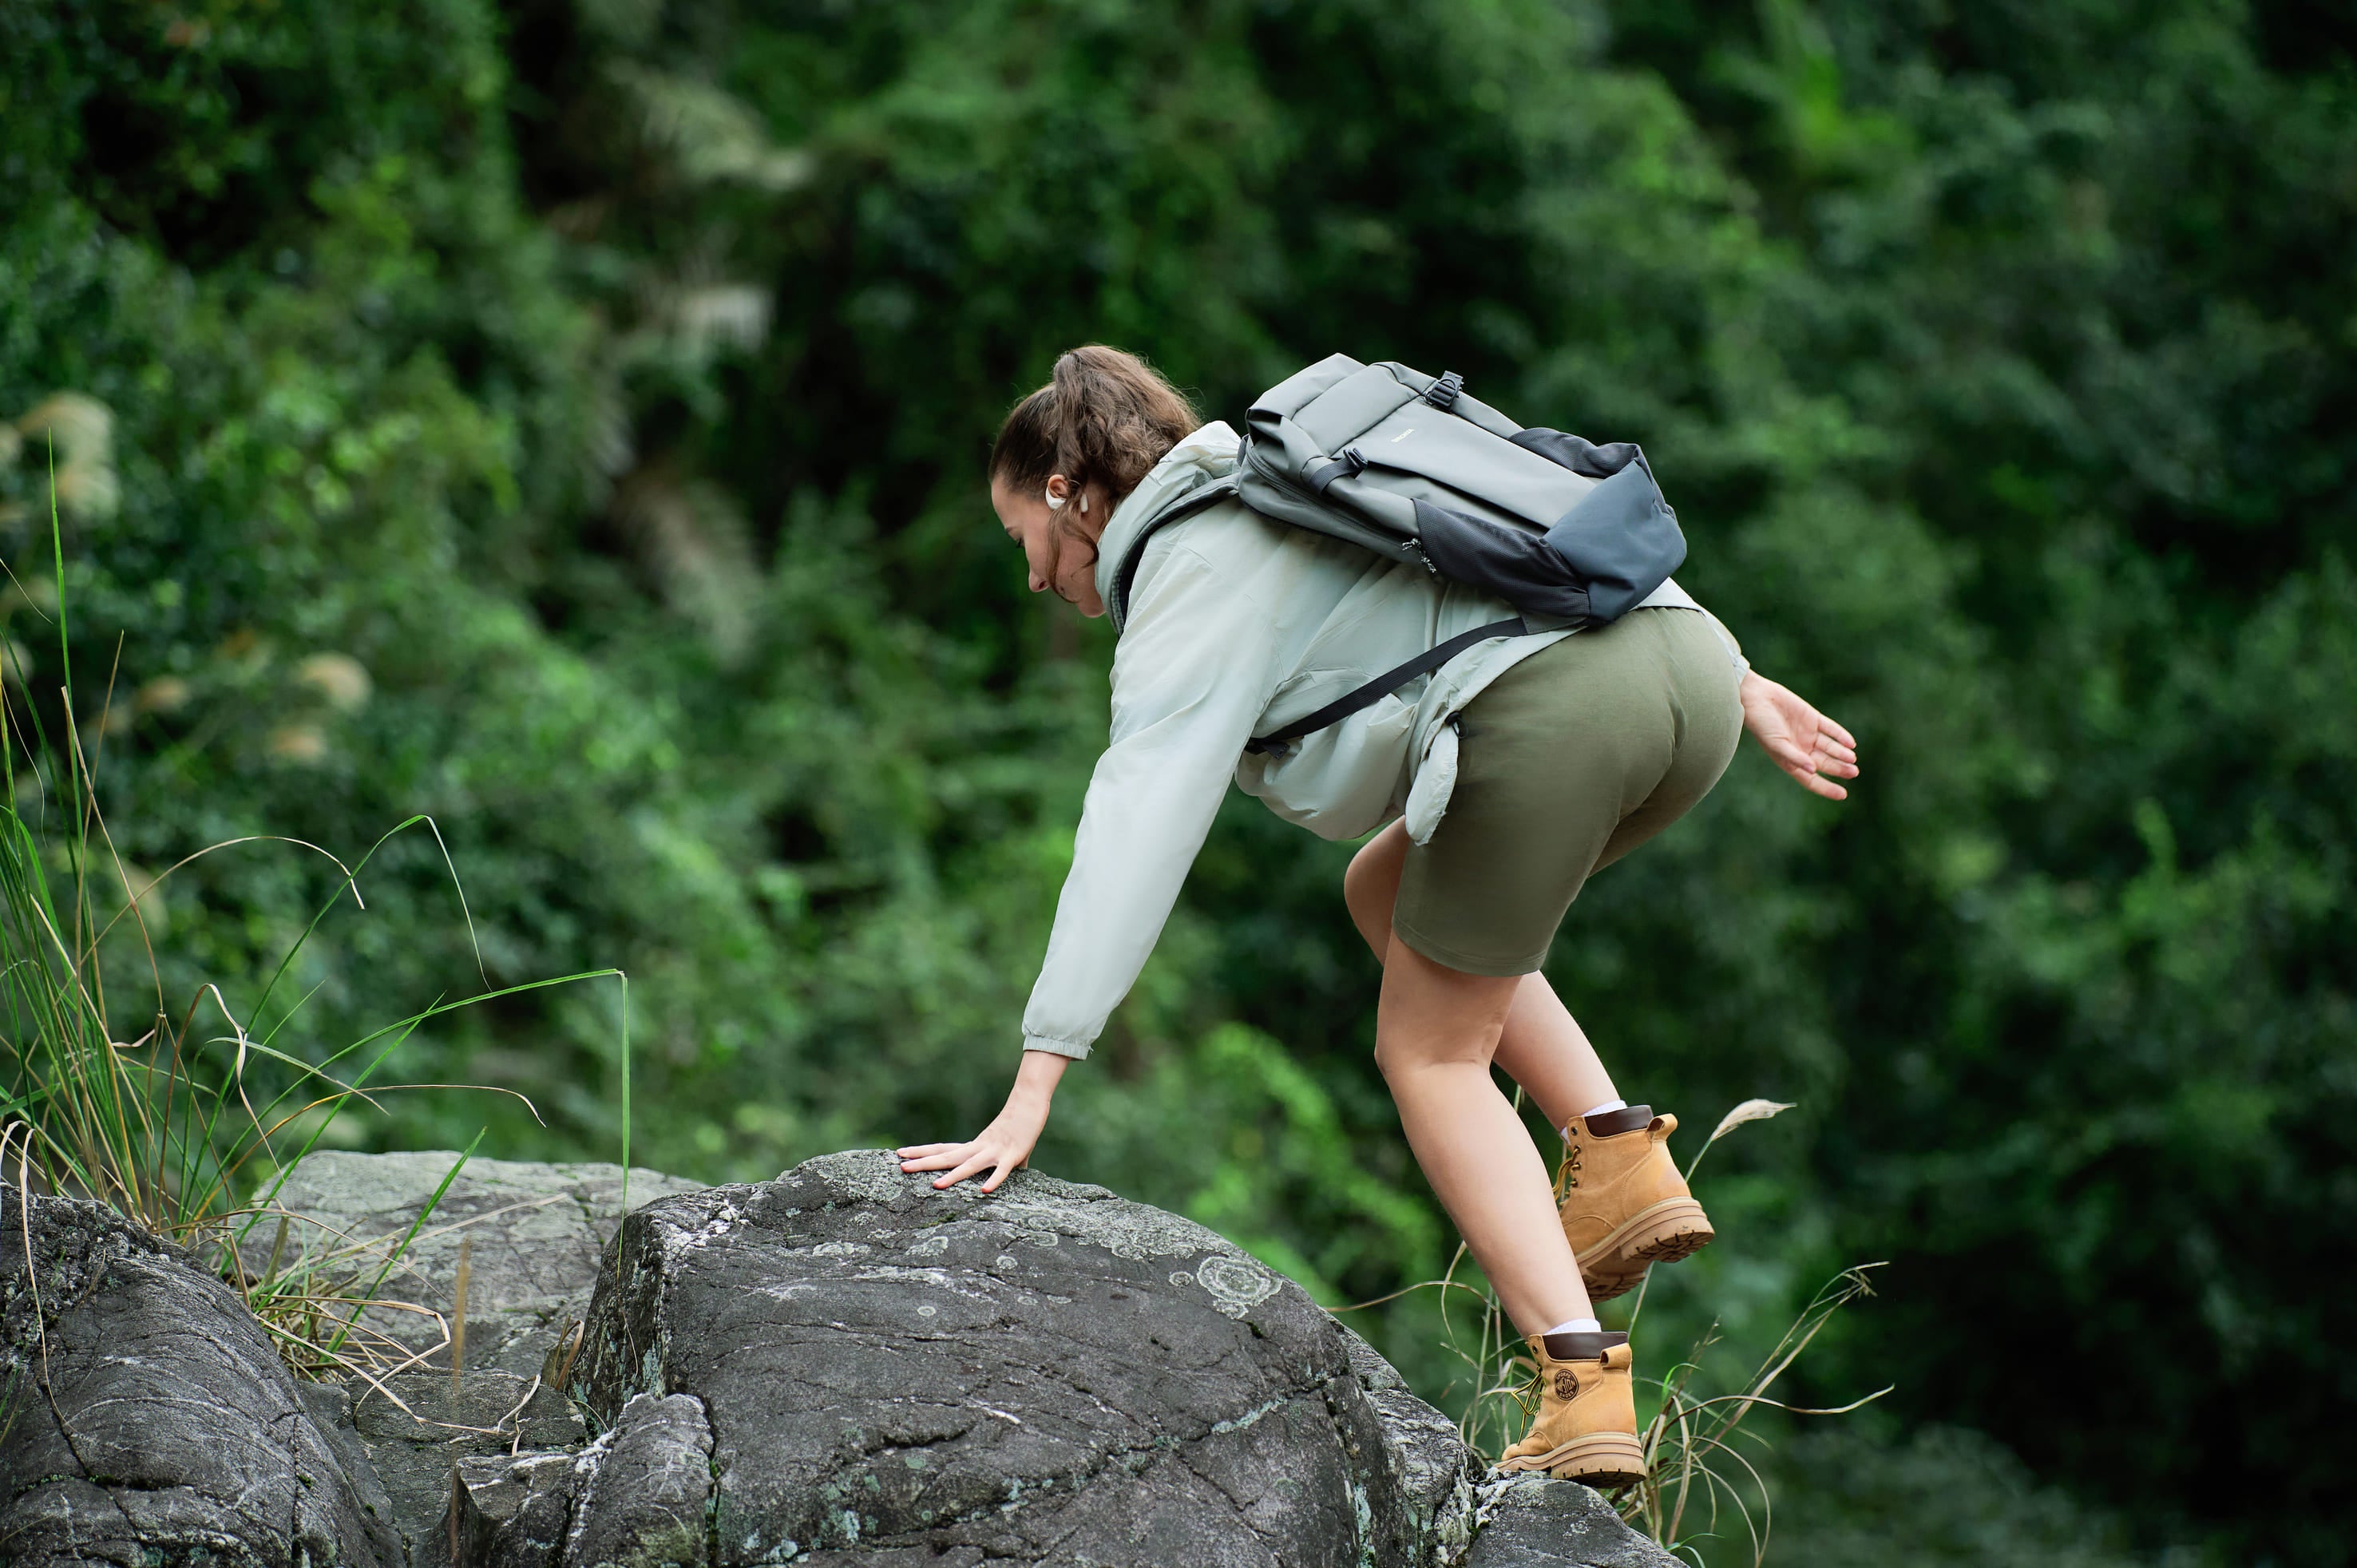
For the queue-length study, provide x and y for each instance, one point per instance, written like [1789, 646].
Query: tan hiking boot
[1586, 1429]
[1623, 1204]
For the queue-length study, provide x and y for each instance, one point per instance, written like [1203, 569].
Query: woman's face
[1059, 543]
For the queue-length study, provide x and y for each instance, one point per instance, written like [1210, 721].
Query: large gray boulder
[892, 1374]
[148, 1419]
[885, 1374]
[840, 1367]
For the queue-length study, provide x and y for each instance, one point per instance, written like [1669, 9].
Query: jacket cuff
[1075, 1049]
[1727, 640]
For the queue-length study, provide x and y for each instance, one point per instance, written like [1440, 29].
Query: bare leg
[1436, 1031]
[1542, 1047]
[1544, 1050]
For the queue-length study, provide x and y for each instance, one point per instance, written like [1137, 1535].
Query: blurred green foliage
[566, 419]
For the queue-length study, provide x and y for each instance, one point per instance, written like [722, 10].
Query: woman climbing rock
[1518, 765]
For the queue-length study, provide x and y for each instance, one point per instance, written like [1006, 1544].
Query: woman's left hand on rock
[1008, 1142]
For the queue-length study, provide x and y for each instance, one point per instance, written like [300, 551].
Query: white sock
[1596, 1111]
[1577, 1326]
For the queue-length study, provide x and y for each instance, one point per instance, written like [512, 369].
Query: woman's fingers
[1801, 741]
[1835, 757]
[1809, 778]
[1808, 771]
[965, 1168]
[1829, 736]
[961, 1161]
[1811, 774]
[941, 1163]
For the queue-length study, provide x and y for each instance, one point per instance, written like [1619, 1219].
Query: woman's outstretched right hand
[1805, 744]
[1008, 1142]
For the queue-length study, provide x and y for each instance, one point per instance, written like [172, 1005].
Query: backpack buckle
[1348, 465]
[1442, 394]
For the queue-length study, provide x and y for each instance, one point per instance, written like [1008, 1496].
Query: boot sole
[1597, 1459]
[1665, 1233]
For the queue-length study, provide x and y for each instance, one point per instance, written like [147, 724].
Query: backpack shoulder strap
[1173, 511]
[1383, 685]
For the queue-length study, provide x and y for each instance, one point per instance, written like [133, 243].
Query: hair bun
[1104, 418]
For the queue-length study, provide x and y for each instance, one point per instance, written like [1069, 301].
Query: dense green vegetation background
[566, 418]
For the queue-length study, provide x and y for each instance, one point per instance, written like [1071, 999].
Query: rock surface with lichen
[839, 1367]
[149, 1420]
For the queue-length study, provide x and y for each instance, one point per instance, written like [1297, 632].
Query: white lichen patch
[676, 1241]
[1236, 1284]
[1125, 1229]
[941, 1277]
[870, 1173]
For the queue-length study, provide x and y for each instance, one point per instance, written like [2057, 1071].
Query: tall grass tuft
[1698, 1480]
[186, 1128]
[1692, 1466]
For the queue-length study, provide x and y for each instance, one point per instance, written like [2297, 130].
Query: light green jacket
[1237, 626]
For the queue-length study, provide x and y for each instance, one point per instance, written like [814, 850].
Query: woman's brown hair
[1103, 419]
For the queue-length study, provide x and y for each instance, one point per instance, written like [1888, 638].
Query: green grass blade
[447, 1177]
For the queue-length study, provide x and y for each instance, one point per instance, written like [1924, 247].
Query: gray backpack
[1407, 464]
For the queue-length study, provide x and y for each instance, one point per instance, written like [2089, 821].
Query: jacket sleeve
[1190, 678]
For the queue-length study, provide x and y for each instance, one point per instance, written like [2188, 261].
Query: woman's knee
[1403, 1047]
[1371, 884]
[1431, 1014]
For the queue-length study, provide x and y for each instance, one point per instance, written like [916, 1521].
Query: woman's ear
[1059, 491]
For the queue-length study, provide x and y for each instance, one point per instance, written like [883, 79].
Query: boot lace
[1567, 1172]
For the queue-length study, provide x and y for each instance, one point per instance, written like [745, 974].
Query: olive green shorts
[1567, 762]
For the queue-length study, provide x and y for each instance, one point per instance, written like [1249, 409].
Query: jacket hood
[1207, 454]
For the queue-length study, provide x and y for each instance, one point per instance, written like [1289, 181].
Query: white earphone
[1056, 502]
